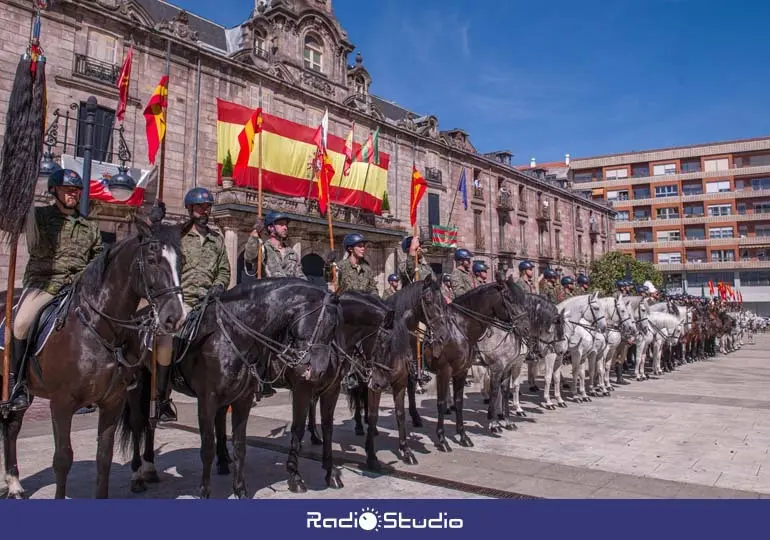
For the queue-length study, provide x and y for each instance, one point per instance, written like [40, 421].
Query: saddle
[49, 320]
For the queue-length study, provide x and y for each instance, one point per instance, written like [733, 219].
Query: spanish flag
[155, 115]
[349, 155]
[288, 156]
[246, 140]
[123, 81]
[419, 185]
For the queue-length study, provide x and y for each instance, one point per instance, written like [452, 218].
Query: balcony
[509, 247]
[726, 265]
[480, 243]
[543, 214]
[545, 252]
[754, 241]
[478, 193]
[505, 202]
[670, 178]
[433, 175]
[96, 70]
[557, 216]
[521, 208]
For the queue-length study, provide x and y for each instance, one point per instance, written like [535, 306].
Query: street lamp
[47, 165]
[122, 185]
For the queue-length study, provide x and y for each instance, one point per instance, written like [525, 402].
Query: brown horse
[82, 362]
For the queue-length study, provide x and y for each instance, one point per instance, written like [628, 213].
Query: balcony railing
[724, 195]
[96, 70]
[545, 251]
[543, 213]
[509, 246]
[521, 208]
[480, 242]
[505, 202]
[670, 178]
[478, 192]
[754, 240]
[728, 265]
[694, 220]
[557, 216]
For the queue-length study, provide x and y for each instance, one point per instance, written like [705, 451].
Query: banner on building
[444, 236]
[287, 159]
[101, 172]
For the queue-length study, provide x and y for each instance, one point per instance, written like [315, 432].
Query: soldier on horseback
[583, 281]
[446, 288]
[61, 243]
[205, 273]
[354, 272]
[479, 273]
[406, 269]
[278, 259]
[549, 287]
[567, 288]
[526, 280]
[392, 287]
[461, 279]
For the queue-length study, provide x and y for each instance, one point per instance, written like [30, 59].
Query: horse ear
[387, 322]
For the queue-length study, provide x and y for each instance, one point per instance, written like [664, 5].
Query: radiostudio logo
[370, 519]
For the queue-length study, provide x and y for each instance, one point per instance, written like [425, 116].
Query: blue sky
[549, 77]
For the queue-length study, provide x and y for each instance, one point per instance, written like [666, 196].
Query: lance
[20, 166]
[259, 188]
[416, 258]
[161, 181]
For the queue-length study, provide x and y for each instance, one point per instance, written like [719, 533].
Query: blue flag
[462, 187]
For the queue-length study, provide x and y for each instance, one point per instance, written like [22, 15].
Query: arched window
[259, 46]
[360, 86]
[312, 53]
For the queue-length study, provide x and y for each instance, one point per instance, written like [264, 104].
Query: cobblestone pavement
[700, 432]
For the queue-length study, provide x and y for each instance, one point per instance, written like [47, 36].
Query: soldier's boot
[166, 409]
[18, 385]
[267, 388]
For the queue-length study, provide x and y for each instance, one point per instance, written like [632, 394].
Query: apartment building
[700, 213]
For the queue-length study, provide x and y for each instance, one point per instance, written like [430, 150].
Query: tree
[227, 166]
[385, 202]
[612, 267]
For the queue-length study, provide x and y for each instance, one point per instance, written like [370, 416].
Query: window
[623, 237]
[103, 124]
[641, 214]
[740, 209]
[622, 215]
[617, 195]
[523, 234]
[557, 240]
[722, 255]
[762, 207]
[692, 188]
[666, 191]
[696, 279]
[667, 168]
[718, 187]
[580, 245]
[312, 54]
[696, 255]
[615, 174]
[670, 258]
[644, 256]
[693, 210]
[695, 233]
[642, 192]
[259, 46]
[640, 171]
[669, 236]
[751, 161]
[721, 232]
[360, 86]
[760, 183]
[690, 166]
[434, 209]
[102, 47]
[478, 229]
[743, 231]
[583, 177]
[671, 212]
[721, 164]
[720, 209]
[643, 235]
[755, 279]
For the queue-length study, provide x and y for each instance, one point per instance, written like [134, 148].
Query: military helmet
[463, 254]
[567, 280]
[620, 284]
[525, 265]
[446, 278]
[641, 288]
[272, 217]
[351, 240]
[198, 195]
[549, 273]
[393, 277]
[64, 178]
[582, 279]
[405, 243]
[479, 266]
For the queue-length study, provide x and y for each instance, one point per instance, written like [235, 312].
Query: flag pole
[454, 199]
[416, 263]
[161, 180]
[259, 187]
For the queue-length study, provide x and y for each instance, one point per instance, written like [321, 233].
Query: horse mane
[405, 298]
[542, 313]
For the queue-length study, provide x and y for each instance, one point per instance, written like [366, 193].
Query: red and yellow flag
[155, 115]
[419, 185]
[349, 157]
[325, 176]
[123, 81]
[289, 161]
[246, 140]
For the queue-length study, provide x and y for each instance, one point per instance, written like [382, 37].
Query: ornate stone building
[299, 53]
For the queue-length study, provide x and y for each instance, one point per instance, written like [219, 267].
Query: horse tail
[136, 409]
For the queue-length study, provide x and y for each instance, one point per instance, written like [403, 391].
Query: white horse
[620, 324]
[668, 329]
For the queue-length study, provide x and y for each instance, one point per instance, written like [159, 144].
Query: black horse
[279, 328]
[83, 361]
[420, 301]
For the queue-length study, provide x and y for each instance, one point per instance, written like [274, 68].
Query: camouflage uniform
[528, 284]
[65, 245]
[388, 292]
[565, 293]
[358, 277]
[406, 270]
[462, 282]
[551, 291]
[273, 263]
[205, 265]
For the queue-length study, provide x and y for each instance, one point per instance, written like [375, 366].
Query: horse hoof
[465, 441]
[563, 405]
[587, 399]
[409, 458]
[360, 430]
[333, 480]
[16, 495]
[240, 494]
[374, 465]
[151, 477]
[223, 468]
[297, 485]
[494, 429]
[510, 426]
[417, 421]
[521, 414]
[550, 407]
[443, 446]
[606, 393]
[205, 493]
[137, 486]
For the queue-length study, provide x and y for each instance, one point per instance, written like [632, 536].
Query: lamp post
[122, 185]
[87, 154]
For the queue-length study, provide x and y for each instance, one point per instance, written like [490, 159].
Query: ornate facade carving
[318, 83]
[179, 26]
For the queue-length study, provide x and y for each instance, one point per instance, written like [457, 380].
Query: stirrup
[167, 411]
